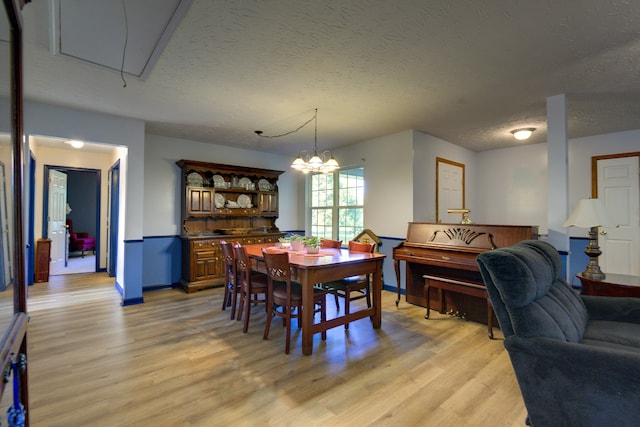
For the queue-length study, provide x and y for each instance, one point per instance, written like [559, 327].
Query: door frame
[114, 217]
[45, 204]
[594, 168]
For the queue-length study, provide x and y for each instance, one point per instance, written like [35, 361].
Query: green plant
[312, 242]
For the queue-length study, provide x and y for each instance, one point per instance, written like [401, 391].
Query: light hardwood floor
[177, 360]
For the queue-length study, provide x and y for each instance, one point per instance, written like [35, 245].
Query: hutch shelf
[223, 202]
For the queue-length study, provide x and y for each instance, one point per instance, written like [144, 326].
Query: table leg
[307, 315]
[376, 319]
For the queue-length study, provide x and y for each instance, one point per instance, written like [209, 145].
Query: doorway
[82, 212]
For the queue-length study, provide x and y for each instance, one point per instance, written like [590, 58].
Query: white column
[558, 171]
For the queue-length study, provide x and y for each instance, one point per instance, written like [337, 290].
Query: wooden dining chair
[251, 284]
[284, 297]
[328, 243]
[231, 281]
[361, 285]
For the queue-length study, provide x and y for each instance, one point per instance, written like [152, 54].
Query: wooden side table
[613, 285]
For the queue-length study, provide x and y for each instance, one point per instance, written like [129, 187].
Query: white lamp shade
[589, 213]
[315, 162]
[332, 164]
[298, 163]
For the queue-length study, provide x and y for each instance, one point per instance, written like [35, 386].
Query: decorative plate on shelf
[244, 201]
[218, 181]
[218, 200]
[244, 181]
[194, 179]
[264, 185]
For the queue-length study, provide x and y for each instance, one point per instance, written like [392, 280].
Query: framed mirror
[6, 270]
[13, 291]
[449, 189]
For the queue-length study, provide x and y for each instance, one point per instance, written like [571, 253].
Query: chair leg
[490, 319]
[323, 316]
[368, 296]
[241, 305]
[225, 299]
[234, 299]
[337, 303]
[287, 345]
[267, 323]
[247, 313]
[347, 303]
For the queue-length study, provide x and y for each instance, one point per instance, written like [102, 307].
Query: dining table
[328, 265]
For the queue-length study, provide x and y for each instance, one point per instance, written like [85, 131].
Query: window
[337, 204]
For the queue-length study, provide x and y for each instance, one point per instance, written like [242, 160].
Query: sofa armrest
[565, 383]
[612, 308]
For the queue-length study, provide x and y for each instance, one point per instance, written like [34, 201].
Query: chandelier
[307, 161]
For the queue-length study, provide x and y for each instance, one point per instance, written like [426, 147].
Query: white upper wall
[162, 180]
[69, 123]
[512, 186]
[512, 182]
[426, 149]
[582, 149]
[388, 171]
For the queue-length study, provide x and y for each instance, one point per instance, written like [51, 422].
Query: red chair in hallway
[80, 240]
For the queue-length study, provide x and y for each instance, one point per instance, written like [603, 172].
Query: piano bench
[467, 288]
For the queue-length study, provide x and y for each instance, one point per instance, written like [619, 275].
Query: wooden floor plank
[178, 360]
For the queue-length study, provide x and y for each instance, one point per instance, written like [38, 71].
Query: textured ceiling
[464, 71]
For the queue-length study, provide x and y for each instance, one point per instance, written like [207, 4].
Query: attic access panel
[96, 31]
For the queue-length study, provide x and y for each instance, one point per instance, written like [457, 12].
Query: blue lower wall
[162, 261]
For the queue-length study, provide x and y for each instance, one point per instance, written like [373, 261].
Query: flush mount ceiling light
[75, 143]
[522, 133]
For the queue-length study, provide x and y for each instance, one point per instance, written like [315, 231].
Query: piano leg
[426, 292]
[396, 265]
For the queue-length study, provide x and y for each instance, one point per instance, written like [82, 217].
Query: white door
[619, 190]
[57, 220]
[450, 190]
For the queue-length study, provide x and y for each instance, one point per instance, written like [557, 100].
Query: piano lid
[466, 237]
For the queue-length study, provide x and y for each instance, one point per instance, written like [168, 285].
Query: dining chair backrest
[230, 286]
[229, 258]
[328, 243]
[278, 267]
[361, 247]
[243, 266]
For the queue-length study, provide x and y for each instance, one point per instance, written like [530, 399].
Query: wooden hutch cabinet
[223, 202]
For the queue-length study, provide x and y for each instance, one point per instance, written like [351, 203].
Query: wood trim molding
[594, 168]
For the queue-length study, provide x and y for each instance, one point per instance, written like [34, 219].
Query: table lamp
[591, 214]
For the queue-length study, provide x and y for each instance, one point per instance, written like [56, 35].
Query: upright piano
[444, 255]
